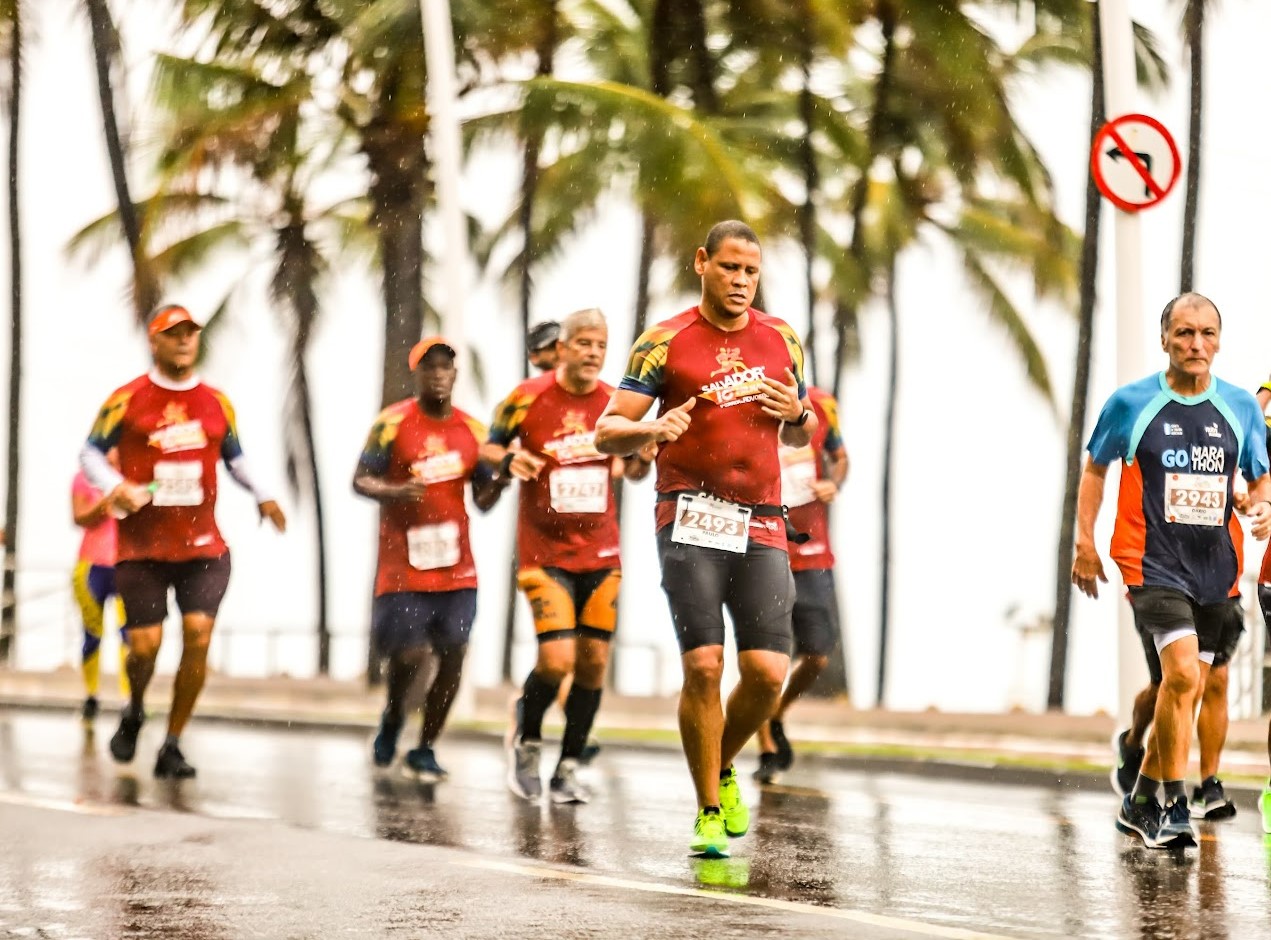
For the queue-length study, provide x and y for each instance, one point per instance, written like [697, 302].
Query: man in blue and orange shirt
[729, 380]
[171, 429]
[1182, 435]
[567, 543]
[421, 455]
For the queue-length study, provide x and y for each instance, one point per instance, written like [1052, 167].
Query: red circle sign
[1134, 161]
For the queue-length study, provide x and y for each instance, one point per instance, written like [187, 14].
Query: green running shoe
[1265, 803]
[709, 838]
[731, 806]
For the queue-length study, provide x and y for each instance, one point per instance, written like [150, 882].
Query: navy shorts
[816, 613]
[407, 620]
[142, 584]
[757, 588]
[1159, 610]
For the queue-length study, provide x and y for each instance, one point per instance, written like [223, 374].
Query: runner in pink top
[93, 582]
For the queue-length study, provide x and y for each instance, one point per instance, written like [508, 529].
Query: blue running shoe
[1140, 819]
[421, 763]
[385, 747]
[1128, 761]
[1176, 826]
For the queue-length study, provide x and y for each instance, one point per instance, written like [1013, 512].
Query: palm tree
[106, 56]
[937, 130]
[11, 22]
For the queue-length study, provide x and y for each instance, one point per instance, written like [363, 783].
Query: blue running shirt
[1175, 527]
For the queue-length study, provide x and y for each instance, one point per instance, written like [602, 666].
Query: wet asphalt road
[292, 834]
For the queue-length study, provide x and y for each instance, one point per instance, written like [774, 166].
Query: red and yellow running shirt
[424, 543]
[730, 448]
[567, 517]
[800, 466]
[170, 439]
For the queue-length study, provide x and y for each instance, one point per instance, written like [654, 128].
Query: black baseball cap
[542, 335]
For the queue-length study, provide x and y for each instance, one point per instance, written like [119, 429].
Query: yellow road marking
[859, 917]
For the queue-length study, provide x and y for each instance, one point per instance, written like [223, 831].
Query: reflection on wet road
[946, 858]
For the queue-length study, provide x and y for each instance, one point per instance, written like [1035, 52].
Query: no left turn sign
[1134, 161]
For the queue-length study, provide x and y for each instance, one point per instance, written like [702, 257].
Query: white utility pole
[443, 125]
[1119, 94]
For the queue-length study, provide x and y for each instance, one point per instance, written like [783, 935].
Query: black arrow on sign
[1116, 154]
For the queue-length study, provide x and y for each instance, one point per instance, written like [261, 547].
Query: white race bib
[711, 523]
[579, 489]
[433, 546]
[798, 473]
[178, 483]
[1196, 498]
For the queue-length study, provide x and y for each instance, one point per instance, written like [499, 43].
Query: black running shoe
[1125, 771]
[123, 744]
[385, 746]
[767, 771]
[90, 709]
[590, 750]
[1209, 801]
[171, 764]
[785, 753]
[1141, 819]
[1176, 825]
[421, 763]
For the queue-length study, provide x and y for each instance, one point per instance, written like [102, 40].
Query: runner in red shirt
[93, 582]
[421, 454]
[730, 382]
[170, 429]
[567, 541]
[811, 477]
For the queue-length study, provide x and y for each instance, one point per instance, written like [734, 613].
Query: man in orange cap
[170, 429]
[418, 457]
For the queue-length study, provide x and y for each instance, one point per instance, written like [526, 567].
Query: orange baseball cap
[420, 349]
[166, 318]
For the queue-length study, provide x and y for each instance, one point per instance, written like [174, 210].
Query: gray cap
[542, 335]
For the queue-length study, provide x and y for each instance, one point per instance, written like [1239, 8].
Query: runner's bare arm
[88, 512]
[636, 466]
[620, 430]
[837, 465]
[1087, 566]
[781, 400]
[1260, 507]
[372, 486]
[486, 491]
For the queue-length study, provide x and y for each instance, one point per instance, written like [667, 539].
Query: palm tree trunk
[846, 313]
[811, 181]
[648, 229]
[1194, 31]
[889, 439]
[1080, 396]
[315, 493]
[145, 292]
[9, 612]
[529, 187]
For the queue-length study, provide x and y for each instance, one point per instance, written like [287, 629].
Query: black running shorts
[1159, 610]
[816, 613]
[757, 588]
[199, 584]
[407, 620]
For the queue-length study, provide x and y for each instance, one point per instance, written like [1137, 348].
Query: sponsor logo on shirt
[1212, 430]
[739, 383]
[438, 462]
[574, 442]
[1173, 430]
[176, 432]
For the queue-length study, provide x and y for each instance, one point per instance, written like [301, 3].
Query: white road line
[859, 917]
[65, 806]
